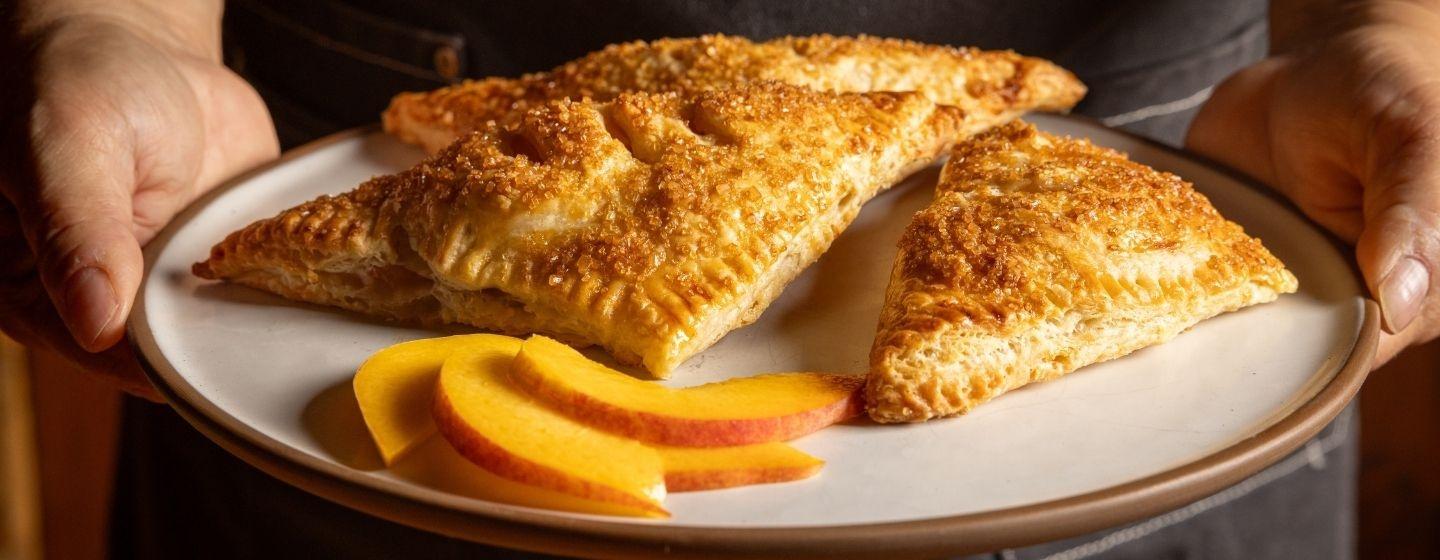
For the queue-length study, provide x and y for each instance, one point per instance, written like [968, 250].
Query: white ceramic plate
[1107, 444]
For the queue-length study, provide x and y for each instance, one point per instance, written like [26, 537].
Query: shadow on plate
[233, 293]
[390, 153]
[333, 418]
[842, 276]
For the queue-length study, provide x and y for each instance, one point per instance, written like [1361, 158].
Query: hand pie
[651, 225]
[1041, 255]
[991, 86]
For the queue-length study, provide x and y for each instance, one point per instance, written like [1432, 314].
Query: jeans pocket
[323, 65]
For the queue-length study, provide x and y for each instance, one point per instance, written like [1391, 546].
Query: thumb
[1399, 247]
[1398, 250]
[79, 222]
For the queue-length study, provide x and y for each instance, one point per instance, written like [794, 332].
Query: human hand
[1347, 125]
[123, 123]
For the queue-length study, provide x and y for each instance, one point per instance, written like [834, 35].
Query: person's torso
[325, 65]
[332, 63]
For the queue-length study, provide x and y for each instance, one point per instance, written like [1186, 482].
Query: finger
[1398, 250]
[114, 367]
[122, 370]
[1251, 124]
[78, 219]
[1400, 246]
[27, 315]
[1233, 128]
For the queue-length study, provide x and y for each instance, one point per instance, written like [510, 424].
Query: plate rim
[535, 530]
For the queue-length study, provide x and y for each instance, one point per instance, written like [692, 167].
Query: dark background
[1400, 458]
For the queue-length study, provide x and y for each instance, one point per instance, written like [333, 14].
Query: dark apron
[323, 66]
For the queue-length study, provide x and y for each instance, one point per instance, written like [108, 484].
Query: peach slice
[741, 411]
[395, 385]
[435, 464]
[688, 469]
[500, 428]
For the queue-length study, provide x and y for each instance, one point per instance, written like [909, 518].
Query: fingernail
[89, 306]
[1402, 292]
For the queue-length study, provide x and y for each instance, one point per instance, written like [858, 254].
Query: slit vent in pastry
[651, 225]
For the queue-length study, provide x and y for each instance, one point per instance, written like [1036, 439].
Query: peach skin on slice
[395, 385]
[741, 411]
[498, 427]
[689, 469]
[435, 464]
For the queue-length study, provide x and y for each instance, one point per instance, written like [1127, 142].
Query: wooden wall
[19, 496]
[1400, 458]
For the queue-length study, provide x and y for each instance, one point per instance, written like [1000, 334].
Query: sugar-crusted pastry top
[1025, 221]
[1042, 254]
[646, 224]
[990, 82]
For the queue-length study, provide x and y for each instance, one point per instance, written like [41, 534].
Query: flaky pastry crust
[1041, 255]
[993, 85]
[651, 225]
